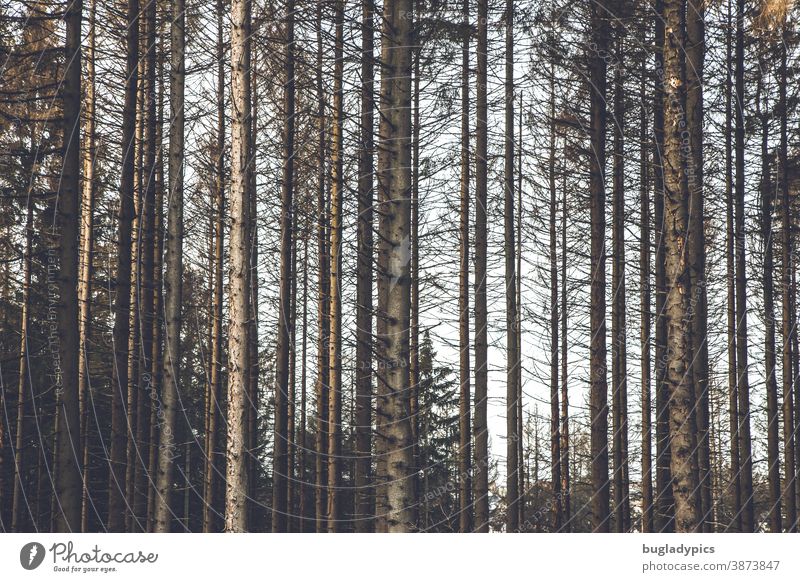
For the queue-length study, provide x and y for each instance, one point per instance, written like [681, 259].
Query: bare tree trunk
[480, 426]
[555, 409]
[86, 266]
[466, 510]
[24, 387]
[301, 436]
[142, 476]
[212, 468]
[173, 280]
[321, 464]
[695, 55]
[512, 317]
[413, 369]
[788, 327]
[335, 348]
[745, 448]
[236, 492]
[598, 405]
[122, 303]
[646, 303]
[396, 500]
[773, 420]
[281, 460]
[619, 354]
[565, 469]
[736, 494]
[679, 378]
[158, 332]
[363, 463]
[664, 500]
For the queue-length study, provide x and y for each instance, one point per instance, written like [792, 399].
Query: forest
[399, 266]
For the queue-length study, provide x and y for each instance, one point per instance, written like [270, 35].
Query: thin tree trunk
[773, 420]
[736, 494]
[598, 404]
[335, 347]
[281, 459]
[480, 426]
[141, 475]
[512, 318]
[788, 326]
[237, 481]
[122, 303]
[321, 464]
[363, 463]
[86, 266]
[465, 513]
[555, 409]
[173, 279]
[646, 317]
[18, 501]
[745, 446]
[301, 436]
[212, 469]
[565, 468]
[664, 499]
[695, 55]
[619, 354]
[396, 500]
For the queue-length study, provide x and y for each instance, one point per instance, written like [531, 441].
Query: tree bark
[335, 347]
[237, 481]
[173, 279]
[598, 403]
[619, 354]
[396, 500]
[512, 317]
[122, 302]
[480, 426]
[745, 446]
[212, 468]
[466, 510]
[280, 468]
[679, 378]
[363, 463]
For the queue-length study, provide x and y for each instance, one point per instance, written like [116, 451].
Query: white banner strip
[389, 558]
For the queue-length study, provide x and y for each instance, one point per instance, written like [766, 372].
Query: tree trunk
[122, 303]
[598, 404]
[363, 463]
[745, 447]
[736, 494]
[280, 474]
[555, 409]
[321, 478]
[465, 514]
[236, 492]
[648, 525]
[619, 354]
[335, 347]
[512, 318]
[212, 468]
[787, 323]
[664, 500]
[396, 499]
[565, 468]
[173, 280]
[480, 425]
[773, 420]
[695, 55]
[679, 378]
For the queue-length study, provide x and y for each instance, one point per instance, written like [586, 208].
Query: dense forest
[399, 266]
